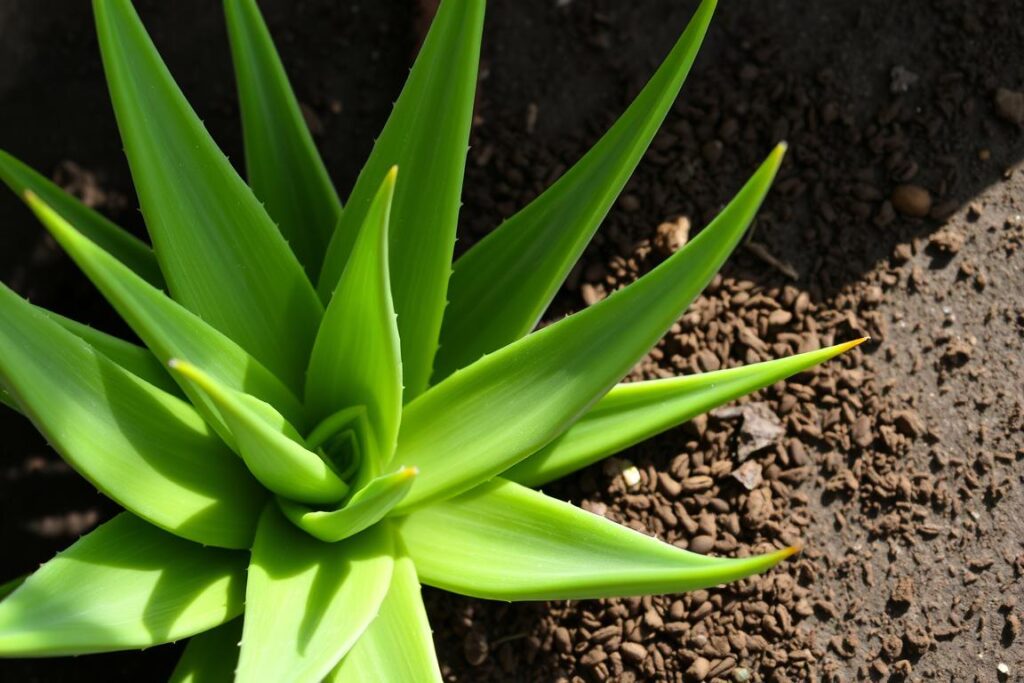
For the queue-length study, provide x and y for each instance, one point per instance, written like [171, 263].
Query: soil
[899, 214]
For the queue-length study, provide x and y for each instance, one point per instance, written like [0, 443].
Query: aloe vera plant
[325, 412]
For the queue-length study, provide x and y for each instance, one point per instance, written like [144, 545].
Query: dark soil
[899, 214]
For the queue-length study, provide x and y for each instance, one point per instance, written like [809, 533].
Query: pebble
[671, 236]
[702, 544]
[779, 318]
[634, 652]
[699, 669]
[697, 484]
[1010, 106]
[912, 200]
[563, 640]
[631, 476]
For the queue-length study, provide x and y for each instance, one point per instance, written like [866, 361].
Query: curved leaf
[135, 359]
[146, 449]
[308, 602]
[485, 418]
[268, 444]
[367, 507]
[125, 585]
[630, 413]
[285, 170]
[398, 646]
[220, 252]
[500, 288]
[357, 358]
[210, 657]
[125, 247]
[168, 329]
[503, 541]
[427, 137]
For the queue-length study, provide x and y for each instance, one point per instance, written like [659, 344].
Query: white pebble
[631, 475]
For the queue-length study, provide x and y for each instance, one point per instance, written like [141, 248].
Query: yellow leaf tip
[846, 346]
[409, 472]
[392, 174]
[790, 551]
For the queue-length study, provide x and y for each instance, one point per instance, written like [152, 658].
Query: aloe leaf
[402, 624]
[148, 450]
[125, 585]
[168, 329]
[308, 602]
[427, 137]
[135, 359]
[357, 358]
[8, 400]
[285, 170]
[9, 587]
[125, 247]
[500, 288]
[367, 506]
[221, 254]
[268, 444]
[630, 413]
[485, 418]
[503, 541]
[210, 657]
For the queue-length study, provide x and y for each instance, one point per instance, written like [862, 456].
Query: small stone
[634, 652]
[593, 657]
[697, 484]
[563, 641]
[631, 476]
[591, 294]
[702, 544]
[779, 317]
[699, 669]
[912, 200]
[862, 432]
[671, 236]
[669, 486]
[748, 474]
[902, 253]
[1003, 669]
[908, 423]
[1010, 106]
[903, 591]
[741, 674]
[947, 241]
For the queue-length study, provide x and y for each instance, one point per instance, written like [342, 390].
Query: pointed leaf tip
[853, 344]
[268, 444]
[786, 553]
[501, 287]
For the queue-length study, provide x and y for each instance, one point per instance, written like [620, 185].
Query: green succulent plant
[326, 412]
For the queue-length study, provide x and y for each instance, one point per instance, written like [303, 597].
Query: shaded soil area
[899, 214]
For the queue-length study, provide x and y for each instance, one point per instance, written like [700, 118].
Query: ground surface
[900, 466]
